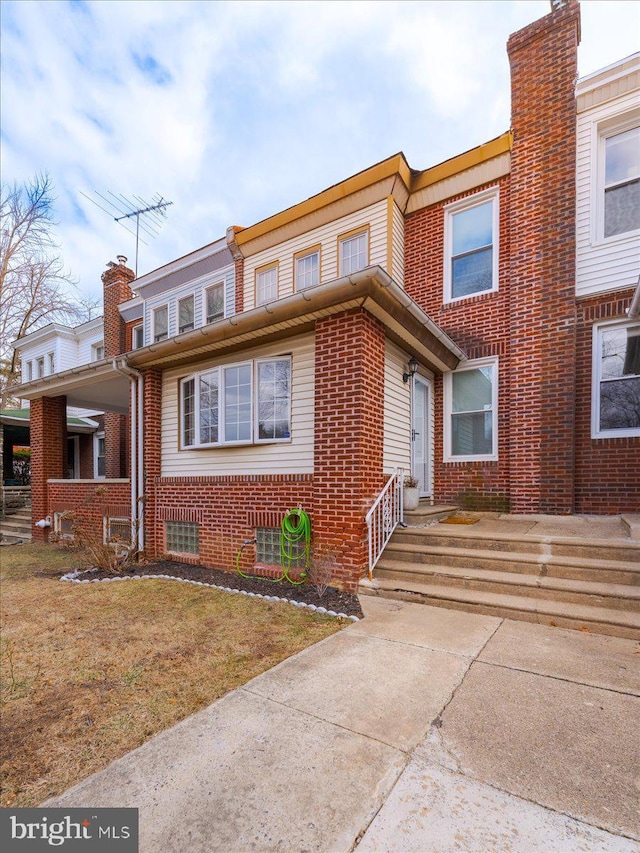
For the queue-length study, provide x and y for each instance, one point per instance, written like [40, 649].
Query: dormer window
[214, 302]
[354, 252]
[97, 351]
[307, 269]
[137, 337]
[40, 367]
[622, 182]
[160, 323]
[186, 313]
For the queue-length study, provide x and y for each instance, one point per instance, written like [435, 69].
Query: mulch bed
[332, 599]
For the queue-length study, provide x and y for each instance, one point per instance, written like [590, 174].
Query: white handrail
[384, 516]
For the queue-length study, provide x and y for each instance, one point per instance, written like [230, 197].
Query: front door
[420, 437]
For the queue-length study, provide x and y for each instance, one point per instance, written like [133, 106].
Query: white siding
[294, 457]
[374, 216]
[85, 344]
[197, 288]
[398, 246]
[601, 264]
[41, 349]
[397, 411]
[67, 354]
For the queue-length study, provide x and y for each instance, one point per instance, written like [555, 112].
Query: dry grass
[91, 671]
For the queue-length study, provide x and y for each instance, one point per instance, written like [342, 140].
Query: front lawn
[90, 671]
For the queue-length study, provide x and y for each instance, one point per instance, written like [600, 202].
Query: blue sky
[236, 110]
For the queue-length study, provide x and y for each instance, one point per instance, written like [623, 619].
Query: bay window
[241, 403]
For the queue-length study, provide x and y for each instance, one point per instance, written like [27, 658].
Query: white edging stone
[74, 577]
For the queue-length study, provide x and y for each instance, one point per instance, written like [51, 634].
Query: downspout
[633, 311]
[137, 444]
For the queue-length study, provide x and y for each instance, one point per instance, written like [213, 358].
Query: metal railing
[384, 516]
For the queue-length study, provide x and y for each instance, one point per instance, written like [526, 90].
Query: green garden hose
[295, 542]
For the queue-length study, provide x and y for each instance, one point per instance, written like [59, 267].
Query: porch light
[413, 369]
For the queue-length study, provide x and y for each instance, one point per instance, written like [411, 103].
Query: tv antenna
[149, 216]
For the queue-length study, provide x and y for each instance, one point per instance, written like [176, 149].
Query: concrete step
[597, 619]
[10, 538]
[427, 514]
[578, 568]
[624, 550]
[610, 595]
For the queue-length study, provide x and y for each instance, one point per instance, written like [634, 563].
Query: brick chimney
[116, 282]
[543, 58]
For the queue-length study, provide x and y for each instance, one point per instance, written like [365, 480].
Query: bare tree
[33, 283]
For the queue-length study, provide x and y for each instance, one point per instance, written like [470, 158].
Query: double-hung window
[160, 323]
[307, 269]
[52, 362]
[186, 308]
[97, 352]
[214, 302]
[616, 380]
[354, 252]
[471, 404]
[471, 246]
[40, 367]
[267, 285]
[237, 404]
[137, 337]
[621, 182]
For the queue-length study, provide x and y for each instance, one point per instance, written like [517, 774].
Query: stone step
[578, 568]
[12, 538]
[610, 595]
[427, 513]
[564, 614]
[12, 523]
[625, 550]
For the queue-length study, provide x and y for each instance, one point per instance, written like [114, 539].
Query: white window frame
[343, 241]
[97, 437]
[261, 299]
[601, 132]
[448, 455]
[596, 363]
[492, 194]
[51, 358]
[303, 256]
[154, 313]
[205, 313]
[139, 329]
[222, 438]
[97, 351]
[107, 536]
[29, 369]
[190, 297]
[39, 367]
[57, 527]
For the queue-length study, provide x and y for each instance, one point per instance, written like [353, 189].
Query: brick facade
[607, 469]
[90, 503]
[48, 455]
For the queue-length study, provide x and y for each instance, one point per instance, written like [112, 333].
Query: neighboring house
[425, 320]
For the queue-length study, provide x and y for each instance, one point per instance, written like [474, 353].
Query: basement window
[117, 531]
[183, 537]
[63, 526]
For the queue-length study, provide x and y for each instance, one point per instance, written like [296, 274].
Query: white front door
[420, 438]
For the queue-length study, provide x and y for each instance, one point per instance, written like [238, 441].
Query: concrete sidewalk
[416, 729]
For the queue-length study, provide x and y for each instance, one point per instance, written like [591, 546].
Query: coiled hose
[295, 542]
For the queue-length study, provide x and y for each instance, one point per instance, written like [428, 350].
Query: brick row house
[475, 323]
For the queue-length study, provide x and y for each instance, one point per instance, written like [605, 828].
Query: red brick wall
[530, 322]
[607, 469]
[349, 426]
[543, 59]
[228, 510]
[116, 445]
[239, 274]
[152, 380]
[480, 325]
[90, 502]
[116, 288]
[86, 457]
[48, 424]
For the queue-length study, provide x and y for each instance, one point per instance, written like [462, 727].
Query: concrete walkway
[416, 729]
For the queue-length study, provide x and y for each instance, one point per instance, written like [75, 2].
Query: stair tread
[582, 612]
[462, 532]
[514, 556]
[512, 578]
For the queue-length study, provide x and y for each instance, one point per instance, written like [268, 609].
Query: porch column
[152, 456]
[349, 430]
[48, 455]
